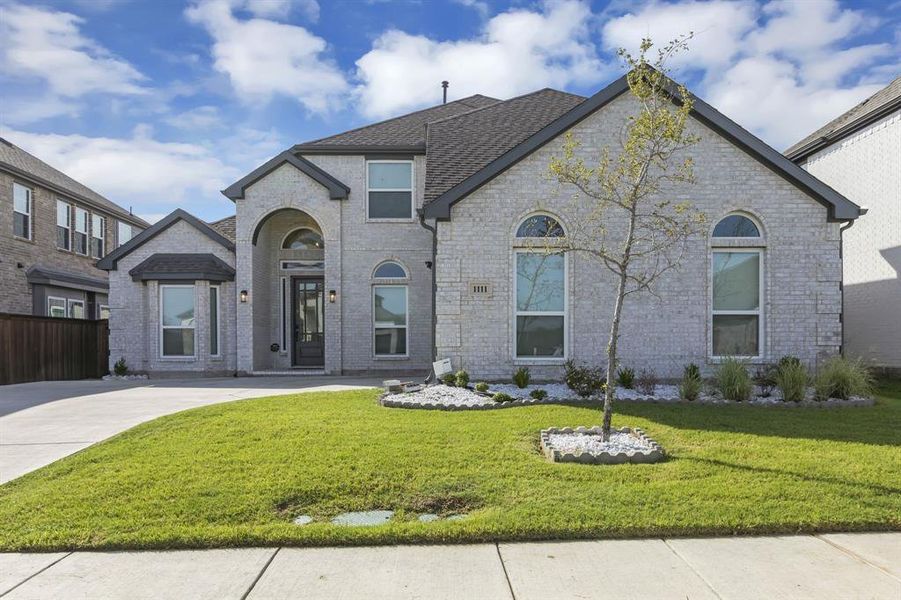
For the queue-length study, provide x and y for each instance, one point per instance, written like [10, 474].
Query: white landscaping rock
[576, 443]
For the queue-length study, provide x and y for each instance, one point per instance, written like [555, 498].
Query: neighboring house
[52, 231]
[376, 249]
[859, 154]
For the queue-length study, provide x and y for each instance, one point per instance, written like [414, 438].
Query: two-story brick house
[53, 230]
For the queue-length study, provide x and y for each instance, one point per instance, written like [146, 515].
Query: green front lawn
[236, 473]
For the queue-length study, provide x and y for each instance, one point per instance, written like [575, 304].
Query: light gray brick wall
[866, 168]
[801, 266]
[135, 311]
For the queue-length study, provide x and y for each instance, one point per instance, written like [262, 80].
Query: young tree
[627, 217]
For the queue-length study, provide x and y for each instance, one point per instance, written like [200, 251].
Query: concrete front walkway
[823, 567]
[45, 421]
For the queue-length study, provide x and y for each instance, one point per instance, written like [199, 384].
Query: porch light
[332, 294]
[243, 296]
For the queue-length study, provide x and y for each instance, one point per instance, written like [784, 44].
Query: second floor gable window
[21, 211]
[63, 225]
[123, 233]
[389, 189]
[80, 239]
[98, 236]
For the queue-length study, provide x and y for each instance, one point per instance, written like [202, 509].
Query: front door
[309, 323]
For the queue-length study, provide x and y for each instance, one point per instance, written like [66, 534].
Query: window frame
[404, 277]
[412, 191]
[68, 206]
[29, 216]
[302, 228]
[119, 226]
[163, 327]
[532, 313]
[101, 238]
[86, 233]
[217, 334]
[100, 309]
[65, 307]
[406, 325]
[70, 302]
[759, 312]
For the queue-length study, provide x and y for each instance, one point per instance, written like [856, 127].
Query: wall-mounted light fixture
[332, 295]
[243, 296]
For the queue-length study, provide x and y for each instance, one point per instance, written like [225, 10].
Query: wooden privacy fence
[47, 348]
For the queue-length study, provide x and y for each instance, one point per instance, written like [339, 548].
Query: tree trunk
[611, 357]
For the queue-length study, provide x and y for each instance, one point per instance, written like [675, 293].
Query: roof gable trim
[336, 189]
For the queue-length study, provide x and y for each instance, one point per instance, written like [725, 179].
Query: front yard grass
[235, 474]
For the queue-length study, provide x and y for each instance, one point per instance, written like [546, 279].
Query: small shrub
[691, 384]
[765, 379]
[791, 379]
[538, 394]
[625, 377]
[461, 379]
[584, 381]
[449, 379]
[502, 397]
[788, 359]
[842, 378]
[646, 382]
[120, 368]
[481, 386]
[732, 380]
[521, 377]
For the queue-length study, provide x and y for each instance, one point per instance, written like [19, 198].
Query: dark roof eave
[121, 214]
[336, 189]
[839, 208]
[183, 276]
[353, 149]
[42, 276]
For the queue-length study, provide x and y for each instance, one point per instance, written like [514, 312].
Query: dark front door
[309, 322]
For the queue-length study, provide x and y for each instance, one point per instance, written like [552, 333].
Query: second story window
[123, 233]
[98, 236]
[63, 225]
[21, 211]
[389, 189]
[80, 240]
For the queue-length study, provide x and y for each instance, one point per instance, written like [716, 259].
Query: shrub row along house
[52, 231]
[376, 249]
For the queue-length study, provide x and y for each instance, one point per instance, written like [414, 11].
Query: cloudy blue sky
[159, 104]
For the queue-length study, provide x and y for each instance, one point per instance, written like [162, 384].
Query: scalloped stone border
[388, 401]
[653, 455]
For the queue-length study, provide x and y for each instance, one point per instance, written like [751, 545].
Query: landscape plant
[502, 397]
[646, 382]
[625, 378]
[481, 386]
[691, 384]
[461, 379]
[791, 378]
[449, 379]
[538, 394]
[583, 380]
[841, 378]
[120, 368]
[732, 380]
[765, 379]
[634, 218]
[521, 377]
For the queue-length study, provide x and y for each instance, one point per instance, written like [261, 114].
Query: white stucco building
[859, 154]
[379, 249]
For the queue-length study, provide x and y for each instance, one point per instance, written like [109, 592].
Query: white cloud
[201, 117]
[25, 109]
[263, 58]
[139, 171]
[48, 45]
[517, 52]
[282, 8]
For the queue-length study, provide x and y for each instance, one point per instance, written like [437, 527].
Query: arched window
[303, 239]
[539, 226]
[736, 226]
[389, 270]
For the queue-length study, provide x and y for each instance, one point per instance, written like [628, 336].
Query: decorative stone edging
[388, 401]
[653, 454]
[123, 377]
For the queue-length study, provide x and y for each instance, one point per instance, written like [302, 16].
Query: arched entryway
[291, 298]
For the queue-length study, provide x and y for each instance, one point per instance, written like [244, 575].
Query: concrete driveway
[45, 421]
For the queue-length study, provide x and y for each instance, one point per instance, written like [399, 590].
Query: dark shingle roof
[871, 109]
[20, 162]
[225, 227]
[460, 145]
[406, 130]
[183, 266]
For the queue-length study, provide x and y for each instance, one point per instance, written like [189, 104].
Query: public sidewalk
[823, 567]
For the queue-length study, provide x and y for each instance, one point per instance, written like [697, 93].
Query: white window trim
[100, 310]
[533, 313]
[406, 325]
[68, 226]
[29, 235]
[86, 232]
[218, 332]
[65, 306]
[101, 237]
[412, 190]
[185, 357]
[759, 313]
[70, 302]
[119, 226]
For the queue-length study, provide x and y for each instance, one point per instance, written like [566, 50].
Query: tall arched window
[303, 239]
[390, 310]
[737, 288]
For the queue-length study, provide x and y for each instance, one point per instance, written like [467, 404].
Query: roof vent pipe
[444, 85]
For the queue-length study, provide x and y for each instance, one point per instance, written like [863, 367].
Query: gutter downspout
[841, 256]
[432, 267]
